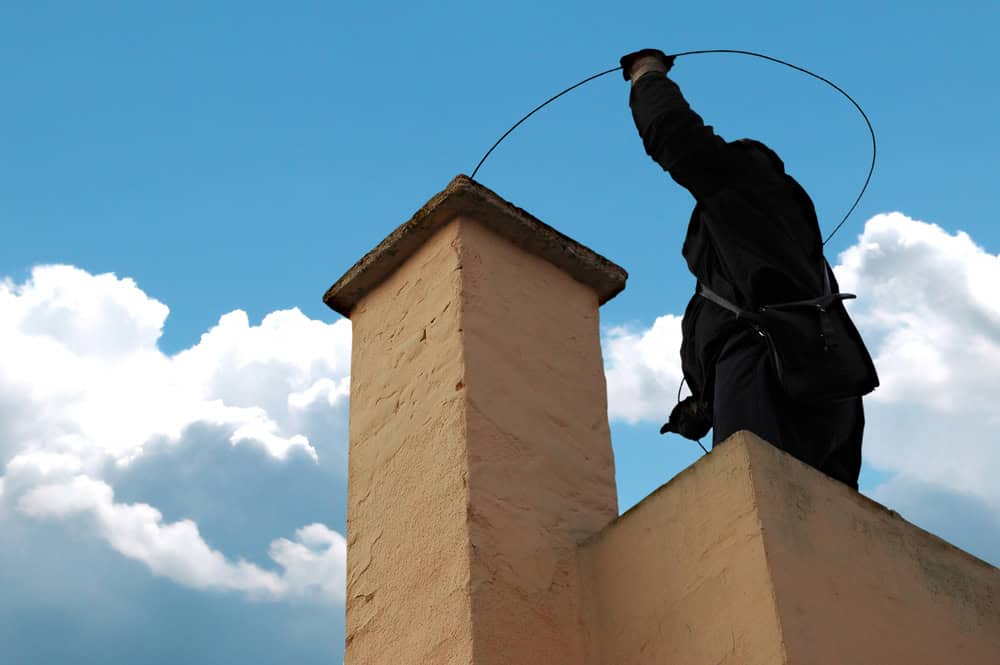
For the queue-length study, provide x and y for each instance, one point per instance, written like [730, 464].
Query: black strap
[829, 334]
[822, 301]
[709, 294]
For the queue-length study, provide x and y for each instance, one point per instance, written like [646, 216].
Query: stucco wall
[407, 539]
[856, 583]
[750, 556]
[541, 470]
[682, 577]
[480, 456]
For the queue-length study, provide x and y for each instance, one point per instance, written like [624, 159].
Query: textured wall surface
[682, 577]
[480, 456]
[856, 583]
[407, 539]
[541, 470]
[750, 556]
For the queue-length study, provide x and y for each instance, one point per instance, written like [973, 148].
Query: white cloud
[92, 315]
[928, 303]
[325, 391]
[313, 565]
[643, 370]
[82, 383]
[79, 495]
[45, 463]
[929, 298]
[81, 350]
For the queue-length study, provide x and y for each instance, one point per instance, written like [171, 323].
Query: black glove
[690, 418]
[627, 61]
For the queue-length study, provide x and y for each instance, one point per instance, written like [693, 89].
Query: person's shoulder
[757, 156]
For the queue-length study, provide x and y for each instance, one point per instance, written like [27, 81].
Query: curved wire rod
[871, 130]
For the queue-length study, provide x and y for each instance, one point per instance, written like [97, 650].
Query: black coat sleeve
[678, 140]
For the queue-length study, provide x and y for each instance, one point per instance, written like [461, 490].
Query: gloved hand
[646, 60]
[690, 418]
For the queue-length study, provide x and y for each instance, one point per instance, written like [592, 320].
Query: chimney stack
[480, 454]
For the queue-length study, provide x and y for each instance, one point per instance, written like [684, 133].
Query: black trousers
[747, 396]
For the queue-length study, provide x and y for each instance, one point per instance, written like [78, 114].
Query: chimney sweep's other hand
[637, 63]
[690, 418]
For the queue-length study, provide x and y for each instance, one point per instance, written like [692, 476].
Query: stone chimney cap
[465, 197]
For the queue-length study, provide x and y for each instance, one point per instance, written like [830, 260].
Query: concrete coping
[464, 197]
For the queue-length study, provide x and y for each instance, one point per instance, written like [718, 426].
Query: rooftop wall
[750, 556]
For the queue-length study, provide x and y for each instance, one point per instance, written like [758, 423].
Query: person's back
[753, 239]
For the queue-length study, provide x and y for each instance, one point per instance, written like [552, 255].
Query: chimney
[483, 525]
[480, 454]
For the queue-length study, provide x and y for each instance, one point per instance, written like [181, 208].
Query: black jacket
[753, 236]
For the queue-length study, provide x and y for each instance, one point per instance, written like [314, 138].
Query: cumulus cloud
[83, 386]
[643, 370]
[313, 564]
[928, 302]
[81, 351]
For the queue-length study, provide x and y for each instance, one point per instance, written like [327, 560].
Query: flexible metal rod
[871, 130]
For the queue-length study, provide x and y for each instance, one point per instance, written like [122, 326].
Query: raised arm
[674, 135]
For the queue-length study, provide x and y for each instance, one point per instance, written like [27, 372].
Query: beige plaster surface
[407, 536]
[750, 556]
[541, 471]
[856, 583]
[682, 577]
[480, 456]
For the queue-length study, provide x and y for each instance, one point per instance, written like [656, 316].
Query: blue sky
[181, 182]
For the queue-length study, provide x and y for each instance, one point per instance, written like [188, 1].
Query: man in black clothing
[753, 238]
